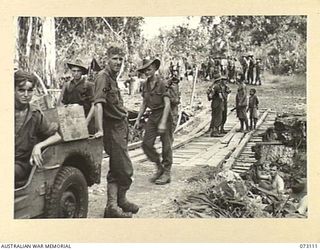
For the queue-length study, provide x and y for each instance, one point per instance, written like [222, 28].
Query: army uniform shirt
[80, 93]
[107, 92]
[154, 97]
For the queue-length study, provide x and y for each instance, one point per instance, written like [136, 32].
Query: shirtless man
[275, 182]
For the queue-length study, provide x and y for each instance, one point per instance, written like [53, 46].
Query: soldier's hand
[98, 134]
[162, 128]
[36, 157]
[136, 124]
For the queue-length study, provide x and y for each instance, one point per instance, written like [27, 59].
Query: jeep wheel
[69, 195]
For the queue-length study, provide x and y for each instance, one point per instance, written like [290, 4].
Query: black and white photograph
[160, 117]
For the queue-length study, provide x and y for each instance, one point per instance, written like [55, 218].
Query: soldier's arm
[141, 111]
[90, 114]
[91, 99]
[163, 122]
[36, 157]
[99, 99]
[48, 134]
[99, 119]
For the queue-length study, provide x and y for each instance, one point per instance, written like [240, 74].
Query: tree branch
[44, 88]
[107, 23]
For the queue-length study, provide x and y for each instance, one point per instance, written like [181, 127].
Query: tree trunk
[17, 51]
[49, 50]
[29, 42]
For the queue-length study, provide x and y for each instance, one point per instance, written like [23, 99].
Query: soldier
[112, 123]
[210, 69]
[202, 71]
[231, 70]
[32, 130]
[224, 66]
[131, 83]
[258, 71]
[250, 69]
[241, 106]
[217, 66]
[157, 98]
[214, 95]
[245, 67]
[171, 65]
[225, 91]
[80, 91]
[174, 92]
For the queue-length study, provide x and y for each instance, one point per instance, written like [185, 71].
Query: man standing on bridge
[241, 106]
[112, 123]
[214, 95]
[156, 97]
[225, 91]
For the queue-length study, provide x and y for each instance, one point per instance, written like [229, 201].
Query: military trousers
[224, 113]
[115, 142]
[151, 133]
[175, 116]
[217, 107]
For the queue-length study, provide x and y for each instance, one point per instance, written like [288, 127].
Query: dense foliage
[279, 40]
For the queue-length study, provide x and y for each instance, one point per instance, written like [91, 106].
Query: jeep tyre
[69, 195]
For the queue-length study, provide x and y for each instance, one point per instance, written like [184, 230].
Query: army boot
[164, 178]
[158, 173]
[112, 210]
[124, 203]
[222, 131]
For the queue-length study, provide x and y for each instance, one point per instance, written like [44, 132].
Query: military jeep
[59, 189]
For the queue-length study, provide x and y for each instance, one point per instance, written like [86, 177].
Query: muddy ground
[279, 93]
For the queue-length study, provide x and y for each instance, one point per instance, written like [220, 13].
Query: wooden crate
[71, 120]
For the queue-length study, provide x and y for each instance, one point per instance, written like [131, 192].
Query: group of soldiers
[218, 94]
[106, 117]
[248, 67]
[251, 69]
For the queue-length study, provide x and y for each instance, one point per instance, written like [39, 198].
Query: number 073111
[308, 245]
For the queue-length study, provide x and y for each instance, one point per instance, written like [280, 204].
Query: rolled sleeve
[100, 90]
